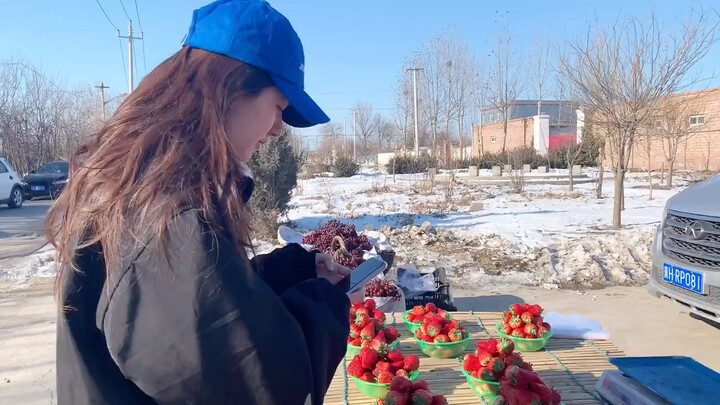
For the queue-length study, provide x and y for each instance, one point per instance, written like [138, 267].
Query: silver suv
[686, 250]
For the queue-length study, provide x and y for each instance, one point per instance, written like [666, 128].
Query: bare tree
[541, 69]
[432, 58]
[673, 127]
[365, 123]
[403, 113]
[621, 73]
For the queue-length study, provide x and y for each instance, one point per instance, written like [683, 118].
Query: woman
[160, 303]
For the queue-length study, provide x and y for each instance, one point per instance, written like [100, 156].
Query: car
[11, 189]
[47, 181]
[686, 250]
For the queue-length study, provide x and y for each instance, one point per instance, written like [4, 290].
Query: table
[571, 366]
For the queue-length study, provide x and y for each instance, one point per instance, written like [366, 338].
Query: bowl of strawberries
[414, 317]
[367, 329]
[524, 325]
[373, 371]
[403, 391]
[441, 337]
[499, 375]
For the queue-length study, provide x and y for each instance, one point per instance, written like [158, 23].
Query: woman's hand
[326, 268]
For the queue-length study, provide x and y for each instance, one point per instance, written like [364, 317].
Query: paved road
[21, 229]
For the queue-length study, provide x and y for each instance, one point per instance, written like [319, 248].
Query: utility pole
[415, 108]
[102, 88]
[354, 139]
[130, 37]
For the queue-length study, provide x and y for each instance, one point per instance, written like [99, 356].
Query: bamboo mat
[571, 366]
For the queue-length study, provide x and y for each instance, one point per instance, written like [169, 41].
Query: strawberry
[519, 396]
[355, 367]
[430, 307]
[452, 324]
[519, 377]
[547, 325]
[486, 374]
[391, 334]
[513, 359]
[506, 317]
[489, 346]
[516, 309]
[474, 374]
[369, 377]
[525, 306]
[526, 366]
[362, 310]
[445, 330]
[379, 344]
[556, 399]
[543, 331]
[544, 392]
[515, 321]
[421, 397]
[518, 332]
[419, 310]
[441, 339]
[439, 400]
[381, 366]
[456, 335]
[526, 317]
[420, 385]
[400, 384]
[384, 377]
[530, 330]
[379, 324]
[505, 346]
[353, 309]
[395, 355]
[378, 314]
[365, 343]
[443, 313]
[506, 329]
[368, 357]
[537, 320]
[411, 362]
[420, 334]
[410, 317]
[535, 309]
[432, 329]
[428, 338]
[349, 339]
[397, 397]
[470, 363]
[484, 357]
[361, 319]
[370, 304]
[496, 365]
[368, 332]
[397, 365]
[355, 330]
[402, 373]
[356, 342]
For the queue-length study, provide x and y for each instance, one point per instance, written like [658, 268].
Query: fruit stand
[571, 366]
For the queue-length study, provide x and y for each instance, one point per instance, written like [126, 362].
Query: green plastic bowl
[375, 390]
[524, 344]
[443, 350]
[354, 350]
[413, 326]
[486, 390]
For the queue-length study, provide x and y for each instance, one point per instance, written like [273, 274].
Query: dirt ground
[639, 324]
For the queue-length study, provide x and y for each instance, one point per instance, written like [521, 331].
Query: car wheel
[16, 198]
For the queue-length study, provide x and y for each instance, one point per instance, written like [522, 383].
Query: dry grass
[554, 196]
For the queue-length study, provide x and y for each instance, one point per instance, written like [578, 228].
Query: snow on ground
[21, 269]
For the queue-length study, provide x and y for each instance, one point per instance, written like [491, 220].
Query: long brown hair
[163, 150]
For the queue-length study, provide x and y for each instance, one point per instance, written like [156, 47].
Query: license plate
[689, 280]
[37, 188]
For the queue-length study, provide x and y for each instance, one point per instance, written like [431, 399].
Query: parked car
[11, 189]
[686, 250]
[47, 181]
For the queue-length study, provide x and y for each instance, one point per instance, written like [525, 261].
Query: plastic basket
[441, 297]
[376, 390]
[525, 344]
[354, 350]
[446, 350]
[482, 388]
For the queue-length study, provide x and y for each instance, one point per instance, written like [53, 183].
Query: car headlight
[57, 182]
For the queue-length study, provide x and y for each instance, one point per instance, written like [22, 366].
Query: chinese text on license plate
[680, 277]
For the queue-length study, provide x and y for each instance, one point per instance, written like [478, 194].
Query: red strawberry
[486, 374]
[518, 332]
[535, 309]
[530, 330]
[395, 355]
[397, 398]
[381, 366]
[402, 373]
[355, 367]
[544, 392]
[470, 362]
[378, 314]
[370, 304]
[362, 310]
[452, 324]
[526, 317]
[400, 384]
[379, 324]
[420, 385]
[355, 330]
[439, 400]
[349, 339]
[419, 310]
[411, 362]
[368, 332]
[474, 374]
[496, 365]
[391, 334]
[520, 378]
[356, 342]
[543, 332]
[430, 307]
[379, 344]
[456, 335]
[365, 343]
[353, 309]
[556, 399]
[489, 345]
[547, 325]
[484, 357]
[384, 377]
[420, 334]
[443, 313]
[368, 357]
[506, 329]
[445, 330]
[410, 317]
[525, 306]
[516, 309]
[513, 359]
[432, 329]
[441, 339]
[422, 397]
[519, 396]
[526, 366]
[428, 338]
[369, 377]
[505, 346]
[506, 316]
[515, 321]
[537, 320]
[361, 319]
[397, 365]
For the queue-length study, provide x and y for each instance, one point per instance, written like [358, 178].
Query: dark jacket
[199, 326]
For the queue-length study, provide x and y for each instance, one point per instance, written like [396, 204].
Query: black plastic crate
[441, 298]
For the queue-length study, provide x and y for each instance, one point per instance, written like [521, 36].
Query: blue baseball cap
[253, 32]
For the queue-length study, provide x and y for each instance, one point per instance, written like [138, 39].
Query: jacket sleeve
[200, 327]
[285, 267]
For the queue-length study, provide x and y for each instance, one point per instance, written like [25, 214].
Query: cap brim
[302, 111]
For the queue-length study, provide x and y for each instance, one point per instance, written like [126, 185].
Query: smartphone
[365, 272]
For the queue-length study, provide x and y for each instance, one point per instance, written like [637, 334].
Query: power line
[122, 55]
[125, 11]
[106, 16]
[137, 11]
[142, 34]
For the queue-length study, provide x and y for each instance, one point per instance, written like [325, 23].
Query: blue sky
[354, 49]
